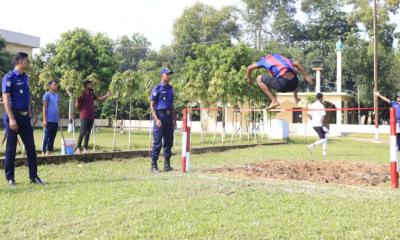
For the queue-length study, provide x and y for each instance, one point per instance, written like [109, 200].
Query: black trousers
[320, 131]
[25, 130]
[50, 132]
[86, 127]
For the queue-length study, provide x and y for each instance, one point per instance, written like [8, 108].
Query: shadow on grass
[308, 140]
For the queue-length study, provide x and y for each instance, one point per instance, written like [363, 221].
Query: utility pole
[375, 72]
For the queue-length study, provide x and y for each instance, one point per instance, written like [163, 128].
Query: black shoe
[11, 183]
[37, 181]
[155, 170]
[168, 169]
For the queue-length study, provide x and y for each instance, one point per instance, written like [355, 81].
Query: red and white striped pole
[393, 150]
[189, 131]
[184, 139]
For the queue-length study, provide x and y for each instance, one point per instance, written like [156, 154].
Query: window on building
[297, 115]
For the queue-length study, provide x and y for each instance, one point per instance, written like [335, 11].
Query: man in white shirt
[317, 116]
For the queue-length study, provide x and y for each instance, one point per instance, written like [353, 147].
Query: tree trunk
[240, 126]
[215, 127]
[223, 124]
[366, 118]
[115, 125]
[202, 126]
[130, 117]
[71, 125]
[233, 125]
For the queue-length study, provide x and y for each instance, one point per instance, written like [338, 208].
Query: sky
[154, 19]
[48, 19]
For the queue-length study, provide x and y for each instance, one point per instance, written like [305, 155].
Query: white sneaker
[324, 153]
[310, 148]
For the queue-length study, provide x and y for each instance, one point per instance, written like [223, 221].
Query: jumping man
[284, 76]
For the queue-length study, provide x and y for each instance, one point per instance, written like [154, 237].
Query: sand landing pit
[337, 172]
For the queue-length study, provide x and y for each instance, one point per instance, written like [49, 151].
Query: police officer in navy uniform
[16, 98]
[163, 113]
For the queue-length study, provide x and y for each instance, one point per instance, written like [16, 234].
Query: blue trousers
[163, 136]
[25, 130]
[50, 132]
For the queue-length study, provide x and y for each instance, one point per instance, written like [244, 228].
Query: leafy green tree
[259, 15]
[217, 75]
[71, 82]
[131, 50]
[78, 55]
[37, 86]
[118, 88]
[5, 58]
[202, 23]
[149, 76]
[362, 14]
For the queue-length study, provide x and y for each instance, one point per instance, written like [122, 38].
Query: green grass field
[140, 140]
[123, 200]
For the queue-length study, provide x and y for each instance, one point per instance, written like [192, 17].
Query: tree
[259, 16]
[126, 88]
[216, 75]
[37, 86]
[286, 29]
[202, 23]
[166, 56]
[149, 76]
[118, 88]
[71, 82]
[5, 58]
[105, 61]
[77, 56]
[362, 14]
[130, 51]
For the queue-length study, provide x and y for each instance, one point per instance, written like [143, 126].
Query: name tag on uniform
[20, 83]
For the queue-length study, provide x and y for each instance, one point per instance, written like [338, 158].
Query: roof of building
[20, 38]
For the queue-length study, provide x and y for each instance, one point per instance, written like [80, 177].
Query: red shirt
[86, 104]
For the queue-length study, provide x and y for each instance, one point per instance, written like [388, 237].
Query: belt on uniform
[167, 111]
[22, 113]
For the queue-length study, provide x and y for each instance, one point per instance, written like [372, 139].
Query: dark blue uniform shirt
[17, 85]
[396, 106]
[163, 97]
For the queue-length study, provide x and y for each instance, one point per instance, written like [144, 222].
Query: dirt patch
[338, 172]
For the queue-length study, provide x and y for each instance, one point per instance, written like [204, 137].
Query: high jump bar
[292, 109]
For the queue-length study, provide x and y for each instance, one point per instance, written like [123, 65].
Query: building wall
[14, 48]
[337, 100]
